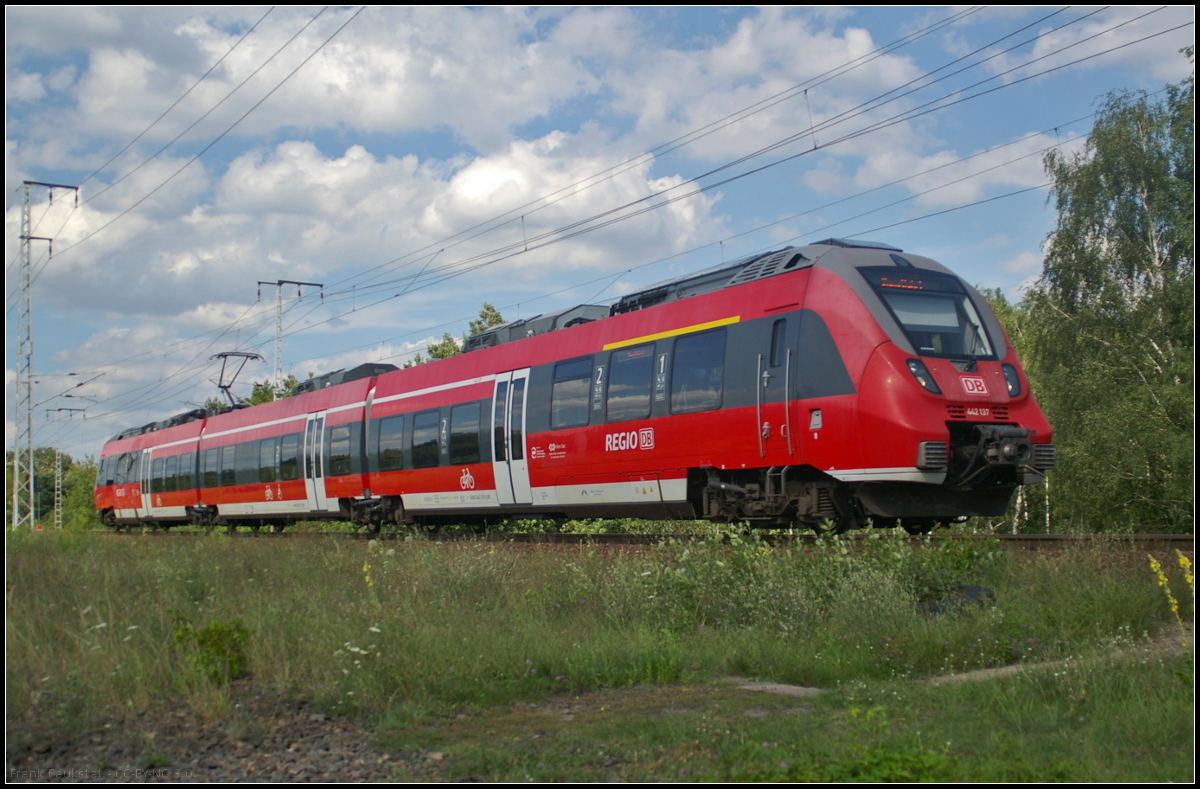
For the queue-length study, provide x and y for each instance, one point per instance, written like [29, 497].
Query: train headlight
[1012, 379]
[919, 371]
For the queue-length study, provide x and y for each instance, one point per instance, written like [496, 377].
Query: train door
[776, 392]
[314, 463]
[509, 463]
[143, 467]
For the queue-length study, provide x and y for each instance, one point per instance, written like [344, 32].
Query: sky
[418, 162]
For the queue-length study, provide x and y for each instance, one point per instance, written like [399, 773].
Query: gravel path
[265, 738]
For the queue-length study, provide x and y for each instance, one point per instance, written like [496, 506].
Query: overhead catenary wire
[210, 110]
[850, 113]
[177, 101]
[581, 227]
[673, 144]
[215, 140]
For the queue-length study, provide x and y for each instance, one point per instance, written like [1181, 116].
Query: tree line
[1107, 333]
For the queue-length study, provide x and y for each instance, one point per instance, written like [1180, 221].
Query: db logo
[974, 385]
[634, 439]
[466, 481]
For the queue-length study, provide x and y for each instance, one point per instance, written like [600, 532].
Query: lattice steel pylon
[278, 379]
[22, 512]
[58, 471]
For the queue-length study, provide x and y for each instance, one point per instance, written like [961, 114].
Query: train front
[944, 396]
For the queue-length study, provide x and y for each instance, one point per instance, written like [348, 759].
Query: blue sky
[401, 129]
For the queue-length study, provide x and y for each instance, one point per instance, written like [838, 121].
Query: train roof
[725, 275]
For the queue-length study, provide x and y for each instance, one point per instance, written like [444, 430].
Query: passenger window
[171, 474]
[464, 434]
[289, 457]
[156, 476]
[391, 446]
[247, 462]
[425, 440]
[629, 378]
[339, 451]
[266, 459]
[696, 373]
[228, 468]
[569, 394]
[187, 468]
[212, 468]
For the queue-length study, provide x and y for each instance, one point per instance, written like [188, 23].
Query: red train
[817, 386]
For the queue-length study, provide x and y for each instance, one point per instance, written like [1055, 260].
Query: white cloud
[1023, 263]
[20, 86]
[1096, 35]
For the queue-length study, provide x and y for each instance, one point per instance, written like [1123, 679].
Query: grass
[1093, 720]
[413, 634]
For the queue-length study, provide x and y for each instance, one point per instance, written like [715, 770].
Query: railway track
[1032, 543]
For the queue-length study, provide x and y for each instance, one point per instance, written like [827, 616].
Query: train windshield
[934, 310]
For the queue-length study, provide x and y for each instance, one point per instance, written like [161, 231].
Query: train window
[171, 474]
[289, 457]
[778, 339]
[187, 469]
[425, 440]
[156, 476]
[391, 443]
[122, 469]
[630, 374]
[212, 468]
[268, 451]
[228, 468]
[339, 451]
[246, 460]
[934, 310]
[464, 434]
[697, 371]
[569, 393]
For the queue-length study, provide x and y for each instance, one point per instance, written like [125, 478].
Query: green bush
[218, 649]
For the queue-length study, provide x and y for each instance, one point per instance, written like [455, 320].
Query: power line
[210, 111]
[186, 93]
[606, 218]
[218, 138]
